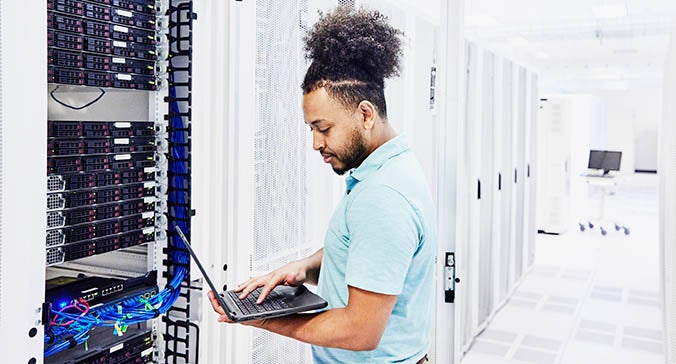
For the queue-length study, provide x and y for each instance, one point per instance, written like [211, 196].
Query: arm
[358, 326]
[292, 274]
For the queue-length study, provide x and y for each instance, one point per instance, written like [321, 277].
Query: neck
[382, 136]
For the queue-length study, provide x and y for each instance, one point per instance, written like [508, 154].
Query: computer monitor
[604, 159]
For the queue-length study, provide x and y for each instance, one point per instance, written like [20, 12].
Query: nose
[317, 141]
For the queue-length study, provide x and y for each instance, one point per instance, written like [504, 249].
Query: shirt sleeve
[384, 234]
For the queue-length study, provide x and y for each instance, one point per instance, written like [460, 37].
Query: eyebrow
[315, 122]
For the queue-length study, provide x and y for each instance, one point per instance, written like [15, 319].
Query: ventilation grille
[280, 147]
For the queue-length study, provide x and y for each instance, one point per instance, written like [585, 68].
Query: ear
[368, 113]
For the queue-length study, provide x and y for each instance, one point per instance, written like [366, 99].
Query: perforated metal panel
[281, 143]
[280, 135]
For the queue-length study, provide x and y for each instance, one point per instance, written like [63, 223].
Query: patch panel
[63, 58]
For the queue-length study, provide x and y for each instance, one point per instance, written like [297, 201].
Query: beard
[352, 155]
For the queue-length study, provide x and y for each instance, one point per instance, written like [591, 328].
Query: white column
[450, 86]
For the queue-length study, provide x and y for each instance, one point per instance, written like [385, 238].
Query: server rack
[106, 199]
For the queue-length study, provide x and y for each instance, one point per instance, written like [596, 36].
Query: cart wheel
[581, 227]
[603, 231]
[626, 231]
[617, 227]
[591, 226]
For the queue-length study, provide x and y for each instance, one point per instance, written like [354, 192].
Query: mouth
[327, 158]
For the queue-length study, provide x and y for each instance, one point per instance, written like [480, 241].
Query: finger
[224, 318]
[250, 288]
[214, 303]
[265, 291]
[241, 286]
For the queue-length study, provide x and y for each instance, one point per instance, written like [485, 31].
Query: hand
[291, 274]
[217, 307]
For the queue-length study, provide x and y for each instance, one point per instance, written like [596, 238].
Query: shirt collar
[376, 159]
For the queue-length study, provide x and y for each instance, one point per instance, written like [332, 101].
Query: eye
[323, 131]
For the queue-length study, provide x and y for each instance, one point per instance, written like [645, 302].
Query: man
[376, 267]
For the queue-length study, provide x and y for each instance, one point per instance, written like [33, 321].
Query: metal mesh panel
[55, 183]
[272, 348]
[280, 136]
[55, 237]
[55, 202]
[280, 205]
[55, 256]
[348, 3]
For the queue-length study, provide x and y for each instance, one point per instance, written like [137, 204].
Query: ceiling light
[611, 11]
[481, 21]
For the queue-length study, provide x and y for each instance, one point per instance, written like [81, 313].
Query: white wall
[629, 120]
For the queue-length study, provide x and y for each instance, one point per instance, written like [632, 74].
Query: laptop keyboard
[249, 305]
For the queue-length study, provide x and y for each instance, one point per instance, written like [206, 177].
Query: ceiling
[578, 45]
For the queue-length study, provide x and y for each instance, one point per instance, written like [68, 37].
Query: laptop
[282, 301]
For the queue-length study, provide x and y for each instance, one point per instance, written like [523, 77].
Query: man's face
[336, 131]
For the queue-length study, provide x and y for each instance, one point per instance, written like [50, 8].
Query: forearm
[332, 328]
[313, 264]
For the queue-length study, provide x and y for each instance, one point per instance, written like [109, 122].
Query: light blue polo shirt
[382, 238]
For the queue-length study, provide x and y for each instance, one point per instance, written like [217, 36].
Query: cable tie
[72, 342]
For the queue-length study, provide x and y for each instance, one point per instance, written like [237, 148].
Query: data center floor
[588, 299]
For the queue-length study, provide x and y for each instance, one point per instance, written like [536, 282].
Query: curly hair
[352, 53]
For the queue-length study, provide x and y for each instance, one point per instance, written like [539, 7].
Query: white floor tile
[589, 298]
